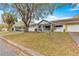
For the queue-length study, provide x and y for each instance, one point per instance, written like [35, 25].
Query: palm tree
[9, 19]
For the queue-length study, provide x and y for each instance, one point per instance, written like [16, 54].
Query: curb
[21, 50]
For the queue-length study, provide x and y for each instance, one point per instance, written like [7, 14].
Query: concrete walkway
[75, 37]
[5, 50]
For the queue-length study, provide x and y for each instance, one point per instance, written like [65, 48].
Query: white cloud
[53, 18]
[75, 8]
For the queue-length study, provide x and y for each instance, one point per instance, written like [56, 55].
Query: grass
[58, 44]
[3, 33]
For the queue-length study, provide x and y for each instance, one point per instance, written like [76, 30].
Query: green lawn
[57, 44]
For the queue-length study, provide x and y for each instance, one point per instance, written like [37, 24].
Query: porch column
[42, 28]
[65, 29]
[52, 27]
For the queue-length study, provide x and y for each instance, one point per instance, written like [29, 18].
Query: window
[23, 27]
[47, 26]
[39, 26]
[58, 26]
[19, 27]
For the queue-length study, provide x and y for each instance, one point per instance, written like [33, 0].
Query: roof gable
[43, 22]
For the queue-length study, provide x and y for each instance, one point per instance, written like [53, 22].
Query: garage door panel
[73, 28]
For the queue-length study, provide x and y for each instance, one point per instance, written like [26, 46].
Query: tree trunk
[26, 25]
[28, 20]
[26, 29]
[9, 27]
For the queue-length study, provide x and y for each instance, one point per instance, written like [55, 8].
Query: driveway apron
[75, 37]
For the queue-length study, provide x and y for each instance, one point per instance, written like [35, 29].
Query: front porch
[44, 28]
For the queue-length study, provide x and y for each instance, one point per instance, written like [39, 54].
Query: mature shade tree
[9, 19]
[30, 11]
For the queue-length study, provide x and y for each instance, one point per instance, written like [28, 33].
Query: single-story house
[69, 25]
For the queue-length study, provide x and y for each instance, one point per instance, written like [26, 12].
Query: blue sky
[67, 11]
[62, 13]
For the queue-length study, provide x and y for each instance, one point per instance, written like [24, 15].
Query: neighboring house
[18, 26]
[33, 27]
[3, 27]
[69, 25]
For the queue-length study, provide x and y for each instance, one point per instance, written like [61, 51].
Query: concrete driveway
[5, 50]
[75, 36]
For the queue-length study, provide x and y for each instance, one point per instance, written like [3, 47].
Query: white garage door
[73, 28]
